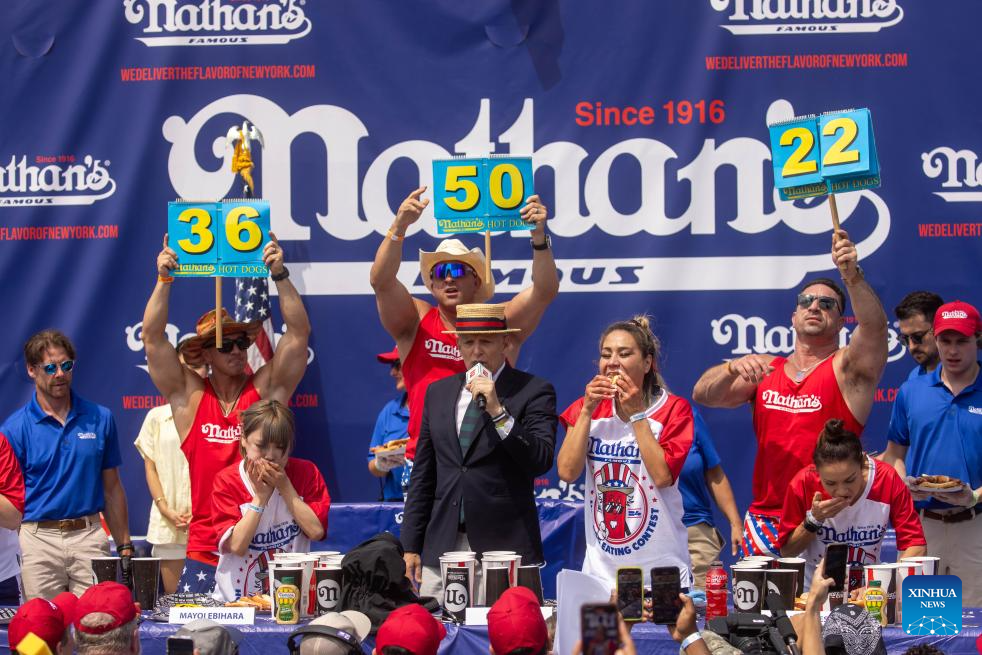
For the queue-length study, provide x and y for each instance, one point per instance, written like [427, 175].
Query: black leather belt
[953, 517]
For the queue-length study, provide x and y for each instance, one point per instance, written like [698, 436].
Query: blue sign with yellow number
[219, 239]
[477, 194]
[832, 153]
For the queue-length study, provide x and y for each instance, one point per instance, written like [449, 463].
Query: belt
[953, 517]
[68, 525]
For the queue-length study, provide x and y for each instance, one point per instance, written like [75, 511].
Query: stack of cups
[327, 581]
[766, 560]
[887, 575]
[932, 565]
[798, 564]
[105, 569]
[748, 580]
[905, 568]
[146, 581]
[458, 571]
[783, 582]
[306, 582]
[498, 559]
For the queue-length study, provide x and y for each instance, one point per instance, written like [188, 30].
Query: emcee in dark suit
[472, 484]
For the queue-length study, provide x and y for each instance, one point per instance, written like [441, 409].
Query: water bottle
[716, 591]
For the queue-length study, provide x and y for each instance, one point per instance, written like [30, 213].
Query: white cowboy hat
[452, 250]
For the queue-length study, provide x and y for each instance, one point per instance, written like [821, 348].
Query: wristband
[545, 245]
[255, 508]
[166, 279]
[640, 416]
[811, 523]
[392, 236]
[280, 276]
[127, 546]
[500, 421]
[156, 501]
[691, 639]
[500, 417]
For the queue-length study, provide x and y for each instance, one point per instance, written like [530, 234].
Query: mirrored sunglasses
[242, 342]
[826, 303]
[454, 269]
[52, 368]
[917, 338]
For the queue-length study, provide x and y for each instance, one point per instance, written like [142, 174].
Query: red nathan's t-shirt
[11, 488]
[788, 417]
[433, 356]
[211, 445]
[885, 501]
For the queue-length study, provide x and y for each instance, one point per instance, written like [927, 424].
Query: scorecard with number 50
[219, 239]
[477, 194]
[831, 153]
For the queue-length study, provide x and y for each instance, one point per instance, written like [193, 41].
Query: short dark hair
[837, 444]
[396, 650]
[919, 302]
[36, 346]
[832, 284]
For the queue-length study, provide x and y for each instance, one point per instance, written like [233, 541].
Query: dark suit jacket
[494, 480]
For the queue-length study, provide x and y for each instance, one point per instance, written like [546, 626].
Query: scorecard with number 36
[477, 194]
[831, 153]
[219, 239]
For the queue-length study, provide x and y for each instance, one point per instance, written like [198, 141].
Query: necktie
[468, 431]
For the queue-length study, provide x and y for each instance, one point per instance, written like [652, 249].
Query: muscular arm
[525, 310]
[733, 383]
[116, 512]
[165, 368]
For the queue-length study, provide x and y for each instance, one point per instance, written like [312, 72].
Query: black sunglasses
[917, 338]
[52, 368]
[826, 303]
[242, 342]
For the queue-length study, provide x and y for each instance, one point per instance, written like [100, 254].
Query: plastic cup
[905, 569]
[531, 578]
[783, 582]
[105, 569]
[146, 581]
[798, 564]
[327, 579]
[930, 564]
[458, 590]
[496, 583]
[748, 588]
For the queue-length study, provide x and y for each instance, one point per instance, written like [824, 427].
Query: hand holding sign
[535, 213]
[218, 239]
[844, 256]
[478, 194]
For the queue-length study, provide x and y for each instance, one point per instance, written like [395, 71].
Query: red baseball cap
[515, 621]
[109, 598]
[391, 357]
[413, 628]
[958, 316]
[46, 619]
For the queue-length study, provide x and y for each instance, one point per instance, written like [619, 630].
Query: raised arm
[732, 383]
[397, 309]
[572, 454]
[279, 379]
[525, 310]
[165, 368]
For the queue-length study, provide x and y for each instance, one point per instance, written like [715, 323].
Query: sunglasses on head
[227, 344]
[805, 301]
[52, 368]
[454, 269]
[917, 338]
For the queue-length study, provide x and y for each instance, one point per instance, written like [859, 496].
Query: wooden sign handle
[835, 212]
[218, 312]
[487, 255]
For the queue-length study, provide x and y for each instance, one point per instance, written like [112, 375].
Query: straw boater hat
[452, 250]
[205, 329]
[481, 319]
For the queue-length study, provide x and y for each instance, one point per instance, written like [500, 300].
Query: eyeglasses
[242, 342]
[454, 269]
[52, 368]
[917, 337]
[826, 303]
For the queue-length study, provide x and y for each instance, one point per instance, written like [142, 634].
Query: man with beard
[792, 397]
[915, 314]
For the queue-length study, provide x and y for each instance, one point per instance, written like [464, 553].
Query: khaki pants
[959, 545]
[705, 544]
[56, 561]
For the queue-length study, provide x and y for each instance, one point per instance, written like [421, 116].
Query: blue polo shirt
[392, 423]
[692, 481]
[63, 465]
[943, 433]
[916, 372]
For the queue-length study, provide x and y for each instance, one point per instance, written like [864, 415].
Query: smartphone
[836, 565]
[179, 646]
[630, 592]
[598, 629]
[665, 590]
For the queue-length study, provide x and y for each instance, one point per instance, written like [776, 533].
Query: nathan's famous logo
[441, 350]
[960, 170]
[215, 433]
[61, 180]
[752, 334]
[217, 22]
[622, 518]
[791, 403]
[357, 206]
[749, 17]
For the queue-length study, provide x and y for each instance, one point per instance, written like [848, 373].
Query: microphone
[776, 607]
[478, 371]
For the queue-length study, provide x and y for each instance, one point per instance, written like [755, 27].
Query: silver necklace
[802, 372]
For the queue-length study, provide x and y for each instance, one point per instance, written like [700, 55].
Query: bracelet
[500, 417]
[255, 508]
[392, 236]
[691, 639]
[166, 279]
[640, 416]
[729, 368]
[156, 501]
[127, 546]
[811, 523]
[280, 276]
[500, 422]
[545, 245]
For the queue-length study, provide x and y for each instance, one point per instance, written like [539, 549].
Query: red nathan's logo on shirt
[791, 403]
[217, 434]
[441, 350]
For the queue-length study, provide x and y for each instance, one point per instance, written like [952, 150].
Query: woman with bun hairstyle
[846, 496]
[632, 436]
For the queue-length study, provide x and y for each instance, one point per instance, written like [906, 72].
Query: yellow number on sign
[837, 153]
[235, 226]
[200, 222]
[795, 165]
[497, 188]
[454, 183]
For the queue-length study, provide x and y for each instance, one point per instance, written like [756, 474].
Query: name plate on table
[223, 615]
[831, 153]
[219, 239]
[477, 194]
